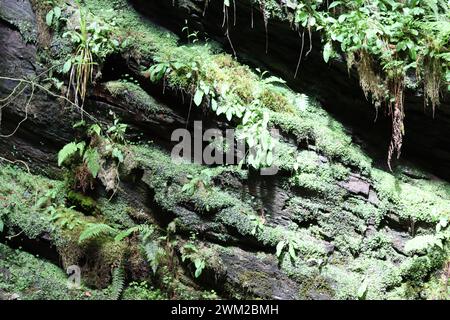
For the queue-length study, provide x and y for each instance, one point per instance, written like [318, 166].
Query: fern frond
[69, 150]
[154, 254]
[94, 230]
[144, 229]
[118, 283]
[125, 233]
[92, 160]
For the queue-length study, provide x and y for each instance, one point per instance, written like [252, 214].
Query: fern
[154, 254]
[94, 230]
[2, 225]
[69, 150]
[144, 229]
[118, 283]
[125, 233]
[92, 160]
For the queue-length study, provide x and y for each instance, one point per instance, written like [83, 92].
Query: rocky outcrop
[338, 90]
[333, 224]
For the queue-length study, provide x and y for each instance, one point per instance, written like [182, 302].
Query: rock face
[342, 235]
[338, 91]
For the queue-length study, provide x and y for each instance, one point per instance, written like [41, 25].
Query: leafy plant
[190, 74]
[290, 245]
[258, 224]
[117, 131]
[154, 254]
[384, 41]
[438, 241]
[144, 229]
[201, 182]
[53, 17]
[65, 218]
[190, 252]
[118, 283]
[93, 41]
[95, 230]
[88, 156]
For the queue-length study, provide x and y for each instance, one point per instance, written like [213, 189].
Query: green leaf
[49, 18]
[57, 12]
[269, 158]
[125, 233]
[334, 4]
[214, 104]
[2, 225]
[153, 253]
[280, 247]
[419, 243]
[67, 66]
[94, 230]
[198, 97]
[292, 251]
[229, 114]
[116, 153]
[327, 51]
[362, 290]
[95, 128]
[199, 266]
[92, 160]
[66, 152]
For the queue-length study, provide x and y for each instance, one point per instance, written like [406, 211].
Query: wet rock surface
[337, 229]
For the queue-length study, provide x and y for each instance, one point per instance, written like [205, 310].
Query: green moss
[117, 212]
[25, 27]
[83, 203]
[142, 291]
[421, 202]
[315, 285]
[20, 193]
[261, 281]
[134, 96]
[311, 124]
[139, 36]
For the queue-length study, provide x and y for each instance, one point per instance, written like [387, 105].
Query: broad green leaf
[116, 153]
[327, 51]
[57, 12]
[92, 160]
[67, 66]
[280, 247]
[49, 18]
[198, 97]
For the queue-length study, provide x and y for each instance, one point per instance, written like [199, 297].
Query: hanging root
[370, 82]
[225, 23]
[432, 82]
[396, 109]
[301, 53]
[310, 41]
